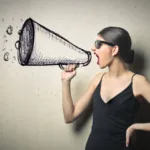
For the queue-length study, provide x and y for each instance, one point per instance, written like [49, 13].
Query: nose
[93, 48]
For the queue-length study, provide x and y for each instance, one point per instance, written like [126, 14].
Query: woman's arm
[141, 126]
[72, 111]
[143, 87]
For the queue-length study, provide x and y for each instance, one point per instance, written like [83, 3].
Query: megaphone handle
[61, 66]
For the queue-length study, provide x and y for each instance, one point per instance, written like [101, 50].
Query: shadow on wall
[142, 138]
[138, 65]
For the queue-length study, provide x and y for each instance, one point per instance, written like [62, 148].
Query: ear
[115, 50]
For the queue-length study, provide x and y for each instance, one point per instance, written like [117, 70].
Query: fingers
[127, 142]
[127, 138]
[70, 68]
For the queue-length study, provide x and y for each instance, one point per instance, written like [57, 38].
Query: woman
[116, 94]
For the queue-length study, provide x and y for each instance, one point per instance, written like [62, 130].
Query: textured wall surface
[31, 116]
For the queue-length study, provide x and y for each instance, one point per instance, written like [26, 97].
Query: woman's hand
[68, 73]
[129, 133]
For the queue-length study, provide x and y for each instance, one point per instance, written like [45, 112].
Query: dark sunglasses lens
[98, 44]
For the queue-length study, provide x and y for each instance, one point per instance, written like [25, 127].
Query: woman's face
[103, 53]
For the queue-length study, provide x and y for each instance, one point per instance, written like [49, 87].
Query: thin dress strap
[132, 77]
[102, 77]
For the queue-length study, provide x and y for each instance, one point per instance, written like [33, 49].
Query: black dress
[111, 119]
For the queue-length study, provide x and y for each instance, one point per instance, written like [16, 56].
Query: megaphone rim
[26, 60]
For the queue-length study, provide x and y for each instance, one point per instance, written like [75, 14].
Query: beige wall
[31, 116]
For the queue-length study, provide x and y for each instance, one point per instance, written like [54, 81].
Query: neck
[117, 68]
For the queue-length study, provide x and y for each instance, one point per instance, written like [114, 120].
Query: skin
[117, 75]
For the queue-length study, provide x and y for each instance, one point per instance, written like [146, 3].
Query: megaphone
[40, 46]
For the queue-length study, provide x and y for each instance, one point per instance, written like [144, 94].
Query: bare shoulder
[97, 78]
[140, 85]
[139, 79]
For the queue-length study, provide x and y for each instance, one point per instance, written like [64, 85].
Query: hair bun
[130, 56]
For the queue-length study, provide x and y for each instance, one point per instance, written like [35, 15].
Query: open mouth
[97, 58]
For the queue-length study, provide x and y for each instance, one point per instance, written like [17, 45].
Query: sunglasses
[98, 43]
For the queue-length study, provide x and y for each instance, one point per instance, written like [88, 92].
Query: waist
[108, 130]
[109, 135]
[105, 132]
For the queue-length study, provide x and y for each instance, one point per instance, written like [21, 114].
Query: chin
[102, 67]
